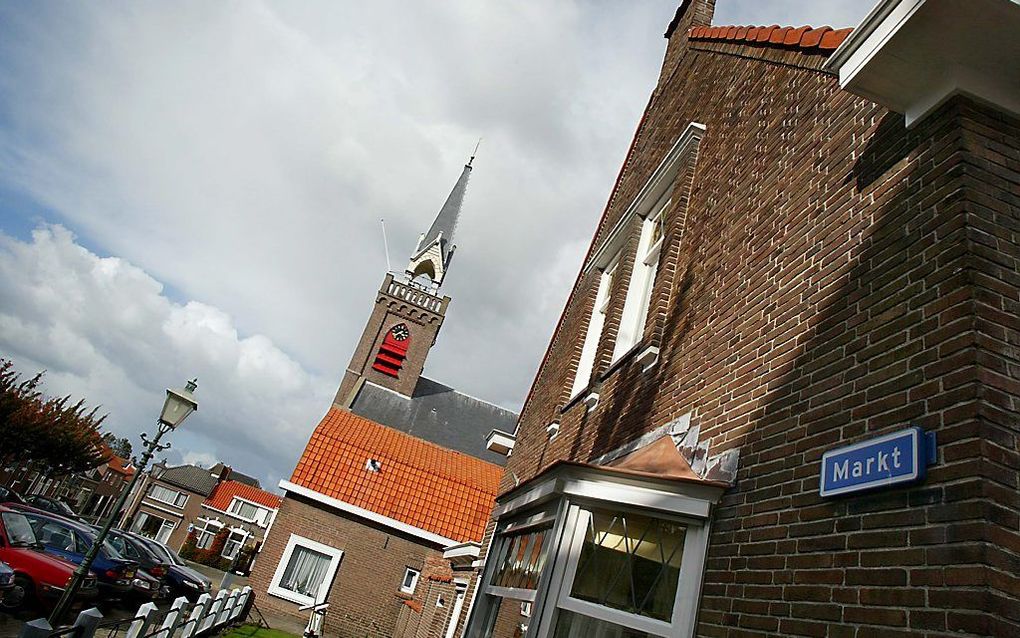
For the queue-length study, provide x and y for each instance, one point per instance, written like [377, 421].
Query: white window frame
[415, 575]
[244, 539]
[596, 323]
[209, 526]
[642, 281]
[173, 503]
[260, 509]
[166, 525]
[274, 585]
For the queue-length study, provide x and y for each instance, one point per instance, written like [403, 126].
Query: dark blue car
[71, 540]
[181, 579]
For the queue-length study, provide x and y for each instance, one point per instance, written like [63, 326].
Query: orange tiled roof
[418, 483]
[820, 39]
[225, 491]
[120, 466]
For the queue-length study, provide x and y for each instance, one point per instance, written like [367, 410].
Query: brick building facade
[784, 268]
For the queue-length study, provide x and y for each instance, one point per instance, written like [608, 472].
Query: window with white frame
[594, 333]
[235, 540]
[410, 581]
[248, 511]
[642, 280]
[154, 527]
[168, 496]
[305, 571]
[205, 531]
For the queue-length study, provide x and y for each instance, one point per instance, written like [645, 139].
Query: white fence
[182, 620]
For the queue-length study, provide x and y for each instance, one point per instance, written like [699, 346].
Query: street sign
[893, 459]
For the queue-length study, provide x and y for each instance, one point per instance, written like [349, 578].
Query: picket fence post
[86, 622]
[38, 628]
[144, 617]
[242, 602]
[191, 627]
[173, 619]
[228, 606]
[210, 618]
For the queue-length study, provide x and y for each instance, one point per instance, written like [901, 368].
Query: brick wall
[829, 276]
[365, 599]
[387, 312]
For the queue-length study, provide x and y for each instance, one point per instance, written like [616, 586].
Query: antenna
[386, 245]
[475, 152]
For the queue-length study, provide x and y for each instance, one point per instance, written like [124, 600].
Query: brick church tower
[408, 312]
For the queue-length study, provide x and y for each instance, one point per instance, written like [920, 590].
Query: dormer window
[251, 512]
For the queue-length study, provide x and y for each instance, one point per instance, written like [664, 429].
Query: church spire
[432, 256]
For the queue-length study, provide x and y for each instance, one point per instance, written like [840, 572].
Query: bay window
[598, 554]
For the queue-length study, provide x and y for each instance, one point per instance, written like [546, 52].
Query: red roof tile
[820, 39]
[120, 466]
[225, 491]
[418, 483]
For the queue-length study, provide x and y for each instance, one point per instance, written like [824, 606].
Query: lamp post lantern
[178, 405]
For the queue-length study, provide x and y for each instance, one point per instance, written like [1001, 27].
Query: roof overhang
[500, 442]
[912, 55]
[392, 523]
[462, 555]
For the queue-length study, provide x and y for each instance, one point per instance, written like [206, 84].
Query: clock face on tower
[400, 332]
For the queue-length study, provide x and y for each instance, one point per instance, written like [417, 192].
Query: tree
[61, 436]
[120, 446]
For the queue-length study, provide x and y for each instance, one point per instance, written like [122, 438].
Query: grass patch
[254, 631]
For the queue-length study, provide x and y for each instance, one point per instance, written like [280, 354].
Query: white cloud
[105, 331]
[241, 154]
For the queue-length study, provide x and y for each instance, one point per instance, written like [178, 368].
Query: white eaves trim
[662, 178]
[367, 514]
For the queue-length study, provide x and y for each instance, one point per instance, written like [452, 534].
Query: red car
[38, 576]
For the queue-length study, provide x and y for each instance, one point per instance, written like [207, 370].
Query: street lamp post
[179, 404]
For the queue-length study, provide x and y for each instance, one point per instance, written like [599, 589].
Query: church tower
[408, 311]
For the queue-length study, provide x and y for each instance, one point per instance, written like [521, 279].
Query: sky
[195, 189]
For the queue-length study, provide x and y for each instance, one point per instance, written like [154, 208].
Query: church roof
[437, 413]
[446, 221]
[413, 481]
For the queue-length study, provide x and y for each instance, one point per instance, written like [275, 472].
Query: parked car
[72, 540]
[51, 505]
[150, 565]
[181, 579]
[7, 586]
[38, 577]
[7, 495]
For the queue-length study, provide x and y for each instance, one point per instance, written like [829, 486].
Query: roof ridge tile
[821, 39]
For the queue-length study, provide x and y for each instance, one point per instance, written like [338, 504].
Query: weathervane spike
[475, 152]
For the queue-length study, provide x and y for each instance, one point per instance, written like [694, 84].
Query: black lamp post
[179, 404]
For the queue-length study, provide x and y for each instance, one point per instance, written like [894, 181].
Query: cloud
[104, 330]
[236, 158]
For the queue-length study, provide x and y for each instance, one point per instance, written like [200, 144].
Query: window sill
[290, 596]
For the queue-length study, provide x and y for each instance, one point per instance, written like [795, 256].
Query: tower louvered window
[393, 351]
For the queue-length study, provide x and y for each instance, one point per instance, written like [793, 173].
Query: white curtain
[305, 571]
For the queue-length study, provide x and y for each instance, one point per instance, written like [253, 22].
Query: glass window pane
[631, 563]
[521, 561]
[571, 625]
[305, 571]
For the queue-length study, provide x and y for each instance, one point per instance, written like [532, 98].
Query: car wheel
[18, 596]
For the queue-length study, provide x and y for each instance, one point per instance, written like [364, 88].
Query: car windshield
[19, 532]
[108, 550]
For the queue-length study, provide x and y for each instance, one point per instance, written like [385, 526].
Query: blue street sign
[892, 459]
